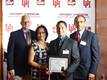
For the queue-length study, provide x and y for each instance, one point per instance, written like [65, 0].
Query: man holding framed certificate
[57, 64]
[64, 54]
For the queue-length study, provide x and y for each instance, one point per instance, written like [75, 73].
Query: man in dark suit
[88, 48]
[64, 47]
[17, 50]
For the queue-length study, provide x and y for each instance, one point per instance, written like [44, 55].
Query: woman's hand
[11, 74]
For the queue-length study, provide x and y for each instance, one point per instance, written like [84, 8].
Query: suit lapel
[84, 36]
[22, 36]
[64, 42]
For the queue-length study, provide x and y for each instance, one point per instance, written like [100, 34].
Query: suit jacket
[17, 52]
[89, 55]
[73, 57]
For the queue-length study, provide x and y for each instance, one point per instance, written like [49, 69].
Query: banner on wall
[46, 12]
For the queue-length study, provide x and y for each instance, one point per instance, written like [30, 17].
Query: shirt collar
[81, 32]
[25, 30]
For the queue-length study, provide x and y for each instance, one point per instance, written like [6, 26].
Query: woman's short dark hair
[45, 29]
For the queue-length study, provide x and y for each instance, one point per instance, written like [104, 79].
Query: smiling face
[61, 29]
[41, 35]
[25, 22]
[80, 22]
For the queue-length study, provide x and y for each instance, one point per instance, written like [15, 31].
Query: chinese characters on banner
[56, 3]
[9, 2]
[46, 12]
[9, 27]
[71, 2]
[40, 2]
[87, 3]
[25, 3]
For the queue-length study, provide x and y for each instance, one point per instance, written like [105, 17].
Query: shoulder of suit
[53, 41]
[91, 33]
[73, 33]
[15, 32]
[32, 30]
[71, 40]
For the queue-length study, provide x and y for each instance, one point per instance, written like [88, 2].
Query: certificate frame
[56, 64]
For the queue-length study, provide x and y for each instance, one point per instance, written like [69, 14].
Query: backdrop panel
[46, 12]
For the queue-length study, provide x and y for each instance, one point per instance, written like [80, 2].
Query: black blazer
[17, 52]
[73, 57]
[89, 54]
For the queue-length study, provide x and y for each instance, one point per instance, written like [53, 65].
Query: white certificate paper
[56, 64]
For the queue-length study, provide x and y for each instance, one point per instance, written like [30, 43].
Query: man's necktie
[28, 37]
[60, 41]
[78, 37]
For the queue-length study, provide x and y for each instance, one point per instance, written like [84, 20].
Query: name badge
[83, 43]
[66, 51]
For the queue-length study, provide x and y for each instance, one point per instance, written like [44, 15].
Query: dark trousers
[57, 76]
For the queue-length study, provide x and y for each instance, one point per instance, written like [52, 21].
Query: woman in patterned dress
[38, 57]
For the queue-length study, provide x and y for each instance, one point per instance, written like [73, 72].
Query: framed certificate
[56, 64]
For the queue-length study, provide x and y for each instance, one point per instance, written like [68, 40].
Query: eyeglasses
[25, 21]
[80, 21]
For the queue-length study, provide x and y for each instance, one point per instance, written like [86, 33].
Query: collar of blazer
[64, 38]
[84, 35]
